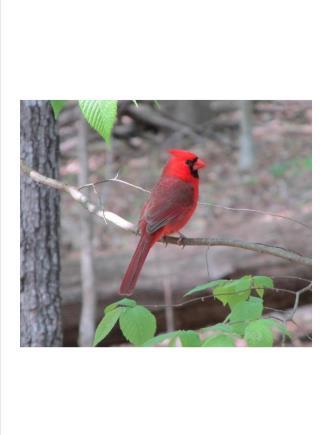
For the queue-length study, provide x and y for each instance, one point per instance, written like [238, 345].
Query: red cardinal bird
[170, 206]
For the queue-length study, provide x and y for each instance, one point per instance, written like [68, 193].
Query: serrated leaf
[125, 302]
[159, 338]
[138, 325]
[234, 291]
[57, 106]
[210, 284]
[258, 333]
[244, 312]
[106, 324]
[219, 341]
[189, 339]
[101, 115]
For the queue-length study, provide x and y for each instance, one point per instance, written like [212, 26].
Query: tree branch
[128, 226]
[159, 119]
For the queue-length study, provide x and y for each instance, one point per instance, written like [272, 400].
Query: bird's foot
[164, 238]
[181, 240]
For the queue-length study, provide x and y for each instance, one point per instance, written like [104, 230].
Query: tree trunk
[87, 324]
[40, 302]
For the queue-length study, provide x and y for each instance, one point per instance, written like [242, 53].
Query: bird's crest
[182, 154]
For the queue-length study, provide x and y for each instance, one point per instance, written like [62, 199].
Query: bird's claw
[181, 240]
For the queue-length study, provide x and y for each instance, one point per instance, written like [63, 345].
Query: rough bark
[87, 322]
[40, 301]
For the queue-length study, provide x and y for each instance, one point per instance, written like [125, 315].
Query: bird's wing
[170, 202]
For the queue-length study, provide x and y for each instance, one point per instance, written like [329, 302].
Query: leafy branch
[244, 322]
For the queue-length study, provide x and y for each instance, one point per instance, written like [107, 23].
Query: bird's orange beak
[199, 164]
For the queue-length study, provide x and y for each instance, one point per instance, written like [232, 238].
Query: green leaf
[110, 307]
[218, 341]
[125, 302]
[57, 106]
[189, 339]
[101, 115]
[279, 326]
[106, 324]
[260, 292]
[234, 291]
[259, 334]
[210, 284]
[136, 104]
[243, 283]
[262, 282]
[259, 284]
[219, 327]
[159, 338]
[172, 342]
[244, 312]
[137, 324]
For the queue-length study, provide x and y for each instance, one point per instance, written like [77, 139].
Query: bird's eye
[191, 163]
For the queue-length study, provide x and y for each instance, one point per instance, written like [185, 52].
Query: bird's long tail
[134, 268]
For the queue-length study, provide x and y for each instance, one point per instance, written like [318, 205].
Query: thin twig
[289, 316]
[206, 297]
[100, 202]
[209, 204]
[207, 261]
[292, 312]
[118, 180]
[256, 211]
[290, 277]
